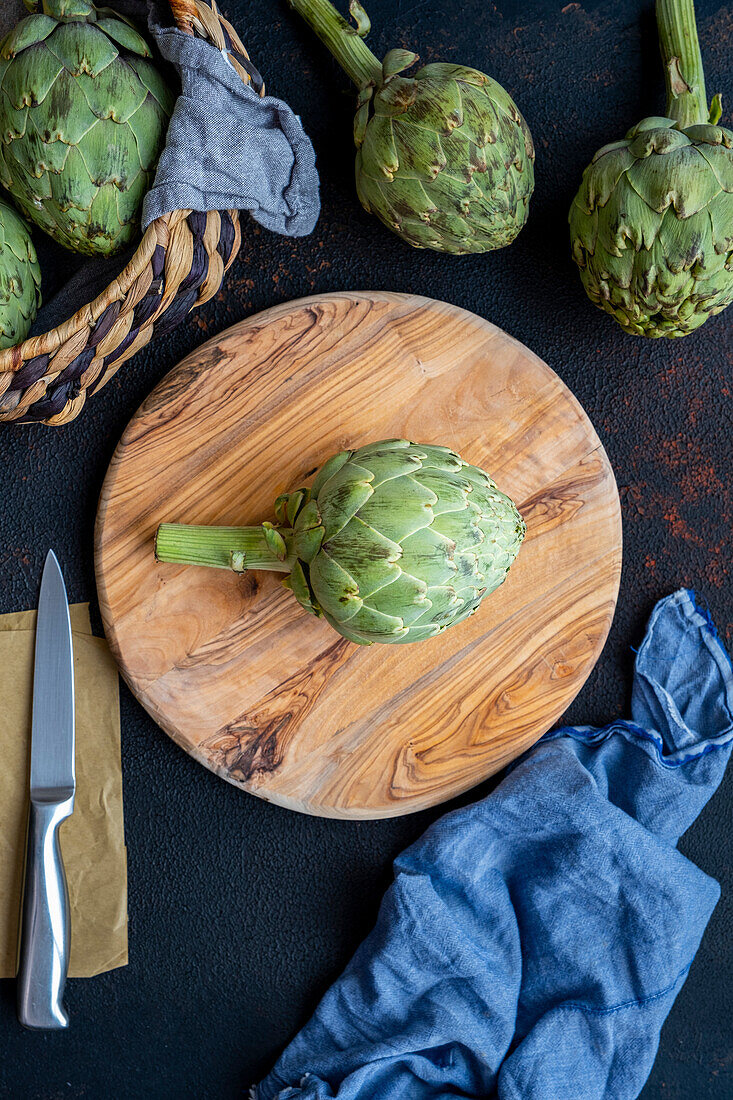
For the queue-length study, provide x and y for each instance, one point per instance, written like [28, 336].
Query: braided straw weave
[179, 264]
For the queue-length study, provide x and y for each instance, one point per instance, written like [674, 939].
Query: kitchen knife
[44, 937]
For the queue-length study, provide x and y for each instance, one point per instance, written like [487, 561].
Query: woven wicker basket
[179, 264]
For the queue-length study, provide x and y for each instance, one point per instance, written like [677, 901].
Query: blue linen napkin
[532, 944]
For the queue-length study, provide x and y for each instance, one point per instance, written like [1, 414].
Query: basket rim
[13, 358]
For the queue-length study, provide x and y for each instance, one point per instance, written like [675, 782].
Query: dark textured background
[241, 913]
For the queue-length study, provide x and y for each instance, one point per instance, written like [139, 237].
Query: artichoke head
[393, 542]
[652, 227]
[83, 117]
[444, 158]
[20, 278]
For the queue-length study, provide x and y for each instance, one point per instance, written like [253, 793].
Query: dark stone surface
[242, 913]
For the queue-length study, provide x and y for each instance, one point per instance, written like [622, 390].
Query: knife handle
[45, 926]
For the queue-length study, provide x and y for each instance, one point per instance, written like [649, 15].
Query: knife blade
[45, 930]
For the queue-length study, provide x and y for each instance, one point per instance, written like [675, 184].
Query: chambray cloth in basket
[532, 944]
[226, 149]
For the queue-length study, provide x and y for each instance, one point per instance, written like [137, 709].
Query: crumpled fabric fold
[532, 944]
[227, 148]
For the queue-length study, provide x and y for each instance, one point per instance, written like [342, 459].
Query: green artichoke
[444, 158]
[393, 542]
[20, 278]
[83, 118]
[652, 225]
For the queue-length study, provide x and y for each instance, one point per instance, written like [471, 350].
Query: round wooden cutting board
[274, 700]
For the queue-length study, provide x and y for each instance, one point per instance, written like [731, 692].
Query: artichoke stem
[683, 71]
[214, 546]
[343, 40]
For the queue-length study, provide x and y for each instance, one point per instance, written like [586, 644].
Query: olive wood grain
[267, 696]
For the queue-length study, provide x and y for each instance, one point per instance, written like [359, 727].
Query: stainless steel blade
[52, 741]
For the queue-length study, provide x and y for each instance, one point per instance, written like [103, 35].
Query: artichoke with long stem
[652, 225]
[393, 542]
[443, 156]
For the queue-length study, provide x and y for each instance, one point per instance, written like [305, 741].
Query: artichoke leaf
[686, 241]
[103, 225]
[308, 516]
[443, 70]
[67, 115]
[294, 503]
[435, 105]
[434, 457]
[375, 625]
[130, 200]
[110, 153]
[705, 134]
[378, 150]
[112, 94]
[384, 463]
[720, 213]
[125, 35]
[80, 191]
[81, 48]
[461, 527]
[14, 120]
[462, 160]
[402, 199]
[603, 175]
[481, 123]
[429, 555]
[681, 178]
[395, 97]
[28, 80]
[32, 29]
[307, 543]
[627, 220]
[297, 582]
[327, 471]
[405, 597]
[37, 156]
[444, 604]
[146, 131]
[336, 592]
[153, 81]
[348, 490]
[364, 553]
[399, 508]
[419, 151]
[396, 61]
[720, 160]
[583, 232]
[651, 122]
[664, 140]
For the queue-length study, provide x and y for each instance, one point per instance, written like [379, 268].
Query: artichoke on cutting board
[393, 542]
[444, 158]
[651, 227]
[20, 278]
[83, 118]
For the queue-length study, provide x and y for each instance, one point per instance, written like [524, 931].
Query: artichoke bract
[444, 158]
[393, 542]
[652, 225]
[20, 278]
[83, 118]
